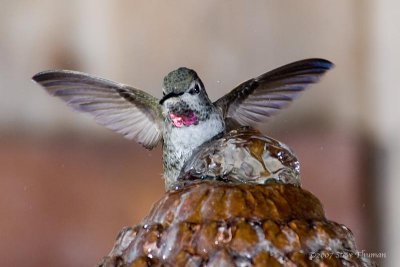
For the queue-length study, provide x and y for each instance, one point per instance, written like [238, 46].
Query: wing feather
[255, 100]
[121, 108]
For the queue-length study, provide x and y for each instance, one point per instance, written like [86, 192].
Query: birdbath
[206, 220]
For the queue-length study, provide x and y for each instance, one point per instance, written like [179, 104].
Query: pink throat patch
[186, 119]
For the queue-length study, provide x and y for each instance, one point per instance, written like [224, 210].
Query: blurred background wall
[67, 186]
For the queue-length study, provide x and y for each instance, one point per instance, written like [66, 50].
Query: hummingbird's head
[185, 100]
[178, 81]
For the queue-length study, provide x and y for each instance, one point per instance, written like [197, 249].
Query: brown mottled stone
[244, 237]
[265, 259]
[139, 262]
[209, 223]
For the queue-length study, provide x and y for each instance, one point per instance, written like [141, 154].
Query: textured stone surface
[220, 224]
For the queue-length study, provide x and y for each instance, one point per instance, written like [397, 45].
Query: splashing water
[243, 155]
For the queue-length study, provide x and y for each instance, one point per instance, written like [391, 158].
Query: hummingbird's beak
[172, 94]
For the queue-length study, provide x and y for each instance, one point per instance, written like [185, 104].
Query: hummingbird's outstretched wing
[121, 108]
[255, 100]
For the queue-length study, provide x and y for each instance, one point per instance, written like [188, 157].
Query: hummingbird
[184, 118]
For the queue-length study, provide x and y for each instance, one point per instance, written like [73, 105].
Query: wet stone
[140, 262]
[224, 234]
[182, 259]
[225, 224]
[274, 233]
[221, 258]
[204, 240]
[151, 246]
[244, 237]
[242, 261]
[124, 239]
[265, 259]
[178, 238]
[292, 238]
[301, 259]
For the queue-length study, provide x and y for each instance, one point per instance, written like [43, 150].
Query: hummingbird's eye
[194, 90]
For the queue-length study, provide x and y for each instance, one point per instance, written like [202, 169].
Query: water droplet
[297, 167]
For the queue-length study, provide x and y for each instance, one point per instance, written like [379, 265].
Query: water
[243, 155]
